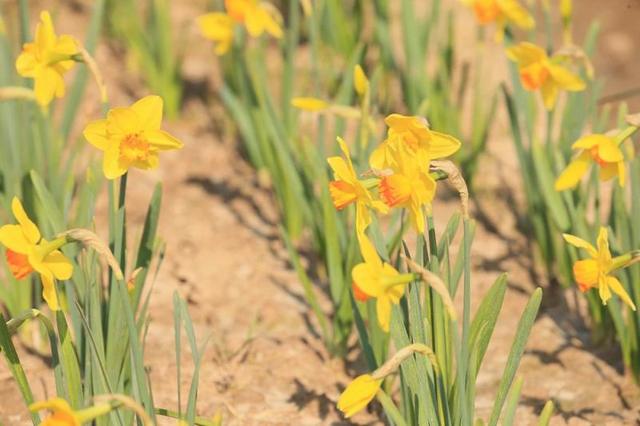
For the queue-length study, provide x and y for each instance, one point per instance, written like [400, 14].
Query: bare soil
[267, 365]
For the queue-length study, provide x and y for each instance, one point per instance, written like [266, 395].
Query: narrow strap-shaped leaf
[517, 349]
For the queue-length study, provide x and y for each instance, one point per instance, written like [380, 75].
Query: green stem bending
[200, 421]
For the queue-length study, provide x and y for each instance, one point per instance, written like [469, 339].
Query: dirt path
[266, 365]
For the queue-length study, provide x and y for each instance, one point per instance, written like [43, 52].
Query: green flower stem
[625, 134]
[51, 246]
[200, 421]
[94, 412]
[390, 408]
[399, 279]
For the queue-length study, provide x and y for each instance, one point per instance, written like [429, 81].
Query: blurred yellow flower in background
[599, 149]
[46, 60]
[358, 394]
[502, 13]
[257, 16]
[539, 72]
[131, 137]
[346, 188]
[596, 271]
[379, 280]
[218, 27]
[309, 104]
[27, 251]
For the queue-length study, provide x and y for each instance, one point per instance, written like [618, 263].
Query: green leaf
[517, 349]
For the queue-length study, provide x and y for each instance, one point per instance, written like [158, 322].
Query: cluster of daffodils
[399, 177]
[256, 16]
[549, 75]
[130, 137]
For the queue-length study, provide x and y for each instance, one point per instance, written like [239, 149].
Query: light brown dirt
[266, 365]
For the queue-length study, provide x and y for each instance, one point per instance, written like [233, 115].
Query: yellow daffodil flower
[218, 27]
[346, 188]
[358, 394]
[502, 13]
[63, 415]
[131, 137]
[414, 132]
[539, 72]
[309, 104]
[27, 251]
[409, 186]
[46, 60]
[257, 16]
[379, 280]
[596, 271]
[599, 149]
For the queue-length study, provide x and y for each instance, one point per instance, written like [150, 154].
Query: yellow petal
[309, 104]
[111, 165]
[27, 62]
[616, 286]
[13, 238]
[216, 26]
[31, 231]
[271, 19]
[383, 310]
[526, 53]
[340, 169]
[66, 45]
[565, 78]
[45, 34]
[609, 151]
[162, 140]
[49, 293]
[360, 82]
[47, 84]
[363, 217]
[358, 394]
[442, 145]
[549, 91]
[123, 121]
[580, 243]
[368, 251]
[255, 22]
[367, 278]
[516, 13]
[589, 141]
[604, 291]
[602, 243]
[149, 111]
[571, 176]
[417, 217]
[96, 133]
[59, 265]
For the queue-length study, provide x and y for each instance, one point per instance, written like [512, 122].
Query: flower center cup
[134, 148]
[534, 76]
[596, 157]
[18, 264]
